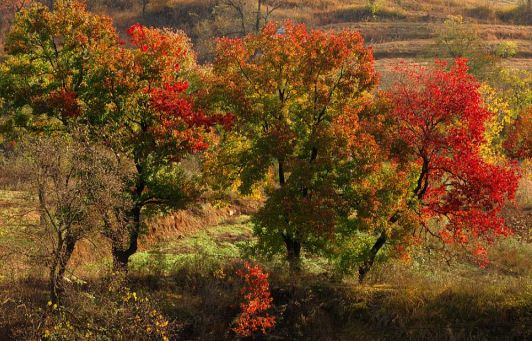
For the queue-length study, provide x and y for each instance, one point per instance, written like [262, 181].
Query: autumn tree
[156, 122]
[68, 182]
[257, 300]
[48, 58]
[291, 89]
[42, 80]
[70, 65]
[455, 194]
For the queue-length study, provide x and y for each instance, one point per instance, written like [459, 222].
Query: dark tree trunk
[419, 192]
[121, 255]
[293, 253]
[257, 19]
[293, 246]
[58, 267]
[368, 263]
[144, 4]
[281, 173]
[379, 243]
[529, 11]
[42, 206]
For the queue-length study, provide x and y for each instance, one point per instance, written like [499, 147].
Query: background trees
[457, 38]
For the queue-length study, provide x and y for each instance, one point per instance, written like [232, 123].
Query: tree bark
[293, 252]
[58, 268]
[144, 4]
[293, 245]
[379, 243]
[529, 11]
[281, 173]
[257, 19]
[368, 263]
[42, 206]
[120, 254]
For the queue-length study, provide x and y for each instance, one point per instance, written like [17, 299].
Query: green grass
[219, 243]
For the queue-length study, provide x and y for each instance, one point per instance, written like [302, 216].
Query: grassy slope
[398, 29]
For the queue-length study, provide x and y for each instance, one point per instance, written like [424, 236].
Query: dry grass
[198, 292]
[420, 301]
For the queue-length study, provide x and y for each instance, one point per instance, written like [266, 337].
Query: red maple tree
[440, 118]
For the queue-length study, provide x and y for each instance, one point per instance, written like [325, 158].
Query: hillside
[395, 28]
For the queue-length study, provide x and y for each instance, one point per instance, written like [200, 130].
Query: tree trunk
[121, 255]
[379, 243]
[257, 20]
[368, 263]
[529, 11]
[293, 252]
[42, 206]
[293, 246]
[58, 268]
[144, 4]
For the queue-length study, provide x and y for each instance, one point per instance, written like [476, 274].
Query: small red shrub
[256, 301]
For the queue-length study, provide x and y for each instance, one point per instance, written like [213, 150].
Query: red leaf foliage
[177, 123]
[441, 121]
[257, 300]
[66, 102]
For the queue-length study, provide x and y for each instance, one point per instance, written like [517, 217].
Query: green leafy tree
[293, 91]
[457, 38]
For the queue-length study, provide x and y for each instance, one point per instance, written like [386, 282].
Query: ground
[191, 279]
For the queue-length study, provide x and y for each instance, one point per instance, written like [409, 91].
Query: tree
[454, 194]
[144, 3]
[49, 56]
[232, 18]
[457, 38]
[254, 13]
[69, 65]
[257, 301]
[68, 182]
[43, 79]
[156, 123]
[291, 89]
